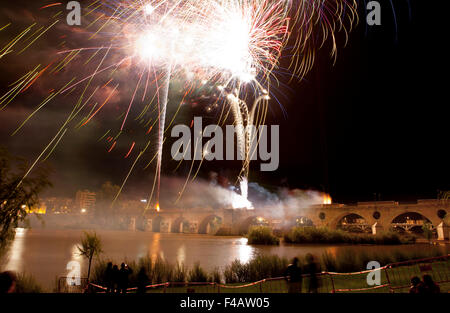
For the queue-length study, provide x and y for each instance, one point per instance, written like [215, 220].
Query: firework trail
[162, 120]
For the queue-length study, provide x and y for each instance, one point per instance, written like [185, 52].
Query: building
[60, 205]
[85, 201]
[40, 209]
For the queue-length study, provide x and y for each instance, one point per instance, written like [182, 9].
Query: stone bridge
[378, 215]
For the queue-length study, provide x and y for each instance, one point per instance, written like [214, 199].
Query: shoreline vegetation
[260, 267]
[321, 235]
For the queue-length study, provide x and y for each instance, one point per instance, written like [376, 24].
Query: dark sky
[374, 122]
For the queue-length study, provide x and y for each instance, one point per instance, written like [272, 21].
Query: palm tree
[91, 246]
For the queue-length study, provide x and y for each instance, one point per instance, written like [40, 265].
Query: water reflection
[245, 250]
[15, 253]
[181, 254]
[45, 253]
[155, 247]
[75, 257]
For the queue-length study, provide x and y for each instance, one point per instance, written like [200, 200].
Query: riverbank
[45, 253]
[264, 273]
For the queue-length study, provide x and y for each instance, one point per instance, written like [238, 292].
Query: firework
[232, 44]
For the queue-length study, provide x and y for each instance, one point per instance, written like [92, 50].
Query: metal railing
[65, 287]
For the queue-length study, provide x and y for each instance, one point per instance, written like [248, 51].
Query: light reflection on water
[45, 253]
[245, 251]
[14, 257]
[181, 254]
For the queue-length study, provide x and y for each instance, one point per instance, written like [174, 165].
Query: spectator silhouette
[312, 268]
[115, 278]
[124, 272]
[416, 285]
[7, 282]
[295, 277]
[142, 280]
[109, 278]
[429, 286]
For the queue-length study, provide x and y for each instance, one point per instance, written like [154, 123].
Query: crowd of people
[116, 280]
[426, 285]
[294, 274]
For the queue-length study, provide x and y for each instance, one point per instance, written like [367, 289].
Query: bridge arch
[353, 222]
[250, 221]
[210, 224]
[156, 224]
[409, 221]
[179, 225]
[357, 218]
[300, 220]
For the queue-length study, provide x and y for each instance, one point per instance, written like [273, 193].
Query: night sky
[375, 122]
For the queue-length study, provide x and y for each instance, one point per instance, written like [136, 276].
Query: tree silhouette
[105, 197]
[91, 246]
[17, 193]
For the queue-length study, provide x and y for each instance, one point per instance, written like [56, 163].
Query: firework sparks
[234, 44]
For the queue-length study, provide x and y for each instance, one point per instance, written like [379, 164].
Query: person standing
[109, 278]
[429, 286]
[312, 268]
[294, 273]
[416, 285]
[142, 280]
[124, 272]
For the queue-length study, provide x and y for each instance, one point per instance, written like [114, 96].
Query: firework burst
[234, 45]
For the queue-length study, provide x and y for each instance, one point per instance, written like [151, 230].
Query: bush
[262, 235]
[260, 267]
[158, 271]
[26, 283]
[215, 276]
[197, 274]
[346, 260]
[179, 274]
[325, 235]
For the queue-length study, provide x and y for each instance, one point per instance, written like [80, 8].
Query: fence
[398, 275]
[64, 287]
[395, 277]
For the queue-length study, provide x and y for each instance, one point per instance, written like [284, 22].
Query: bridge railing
[394, 277]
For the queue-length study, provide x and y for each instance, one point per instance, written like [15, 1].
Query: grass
[262, 235]
[272, 266]
[197, 274]
[26, 283]
[258, 268]
[330, 236]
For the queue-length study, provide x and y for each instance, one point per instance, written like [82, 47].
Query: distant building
[85, 201]
[41, 209]
[60, 205]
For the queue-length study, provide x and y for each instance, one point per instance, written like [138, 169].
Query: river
[44, 253]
